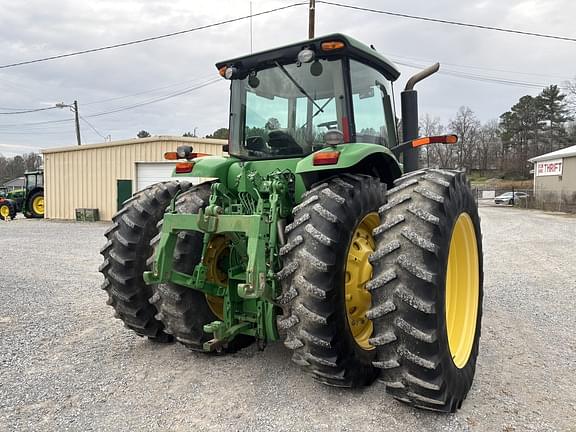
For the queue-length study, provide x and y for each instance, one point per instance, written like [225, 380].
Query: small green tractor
[318, 230]
[29, 201]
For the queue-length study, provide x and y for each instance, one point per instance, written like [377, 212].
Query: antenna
[250, 27]
[311, 16]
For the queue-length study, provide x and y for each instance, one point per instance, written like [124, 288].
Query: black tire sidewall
[458, 201]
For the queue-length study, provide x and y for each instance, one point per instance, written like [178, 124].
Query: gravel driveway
[66, 364]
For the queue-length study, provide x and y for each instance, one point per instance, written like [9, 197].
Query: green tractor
[319, 230]
[29, 201]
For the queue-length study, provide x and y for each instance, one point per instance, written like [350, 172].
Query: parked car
[510, 197]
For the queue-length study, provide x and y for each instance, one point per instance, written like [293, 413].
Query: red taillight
[326, 158]
[184, 167]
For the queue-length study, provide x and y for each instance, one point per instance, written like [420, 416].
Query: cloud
[38, 28]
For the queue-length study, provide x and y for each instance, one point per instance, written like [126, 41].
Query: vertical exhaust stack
[409, 98]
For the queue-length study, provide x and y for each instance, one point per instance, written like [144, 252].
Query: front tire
[428, 281]
[325, 269]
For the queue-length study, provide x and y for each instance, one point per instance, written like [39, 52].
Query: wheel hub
[38, 205]
[358, 272]
[5, 211]
[462, 290]
[216, 252]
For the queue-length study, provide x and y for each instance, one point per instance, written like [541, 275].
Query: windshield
[286, 110]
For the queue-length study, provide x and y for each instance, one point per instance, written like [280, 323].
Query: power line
[120, 109]
[92, 127]
[160, 99]
[483, 68]
[26, 111]
[152, 90]
[478, 77]
[152, 38]
[443, 21]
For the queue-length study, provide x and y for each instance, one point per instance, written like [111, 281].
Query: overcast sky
[123, 77]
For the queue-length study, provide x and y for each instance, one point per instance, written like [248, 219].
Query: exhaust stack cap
[424, 73]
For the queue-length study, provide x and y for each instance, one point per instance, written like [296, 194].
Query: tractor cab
[292, 101]
[34, 180]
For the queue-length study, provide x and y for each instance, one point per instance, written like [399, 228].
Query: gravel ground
[66, 364]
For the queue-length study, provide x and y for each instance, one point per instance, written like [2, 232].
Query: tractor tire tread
[317, 242]
[415, 363]
[125, 254]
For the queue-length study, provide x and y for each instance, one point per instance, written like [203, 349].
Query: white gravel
[66, 364]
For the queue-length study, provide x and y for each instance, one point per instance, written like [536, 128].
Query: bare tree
[570, 87]
[437, 154]
[489, 148]
[466, 126]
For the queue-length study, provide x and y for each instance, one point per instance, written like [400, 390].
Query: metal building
[103, 175]
[555, 179]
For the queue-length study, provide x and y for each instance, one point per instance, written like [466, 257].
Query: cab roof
[288, 54]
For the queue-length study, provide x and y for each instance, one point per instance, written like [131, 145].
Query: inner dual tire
[184, 311]
[325, 270]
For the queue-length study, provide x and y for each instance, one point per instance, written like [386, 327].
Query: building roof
[558, 154]
[18, 181]
[134, 141]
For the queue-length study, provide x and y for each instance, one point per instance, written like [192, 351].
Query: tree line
[533, 126]
[13, 167]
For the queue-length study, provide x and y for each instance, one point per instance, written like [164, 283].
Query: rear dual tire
[321, 277]
[184, 311]
[125, 258]
[426, 287]
[428, 281]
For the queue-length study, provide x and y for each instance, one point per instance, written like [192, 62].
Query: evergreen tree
[555, 114]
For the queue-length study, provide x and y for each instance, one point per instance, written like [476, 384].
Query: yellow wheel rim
[5, 211]
[38, 205]
[462, 290]
[217, 249]
[358, 272]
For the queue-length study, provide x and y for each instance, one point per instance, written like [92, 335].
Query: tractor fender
[356, 158]
[210, 167]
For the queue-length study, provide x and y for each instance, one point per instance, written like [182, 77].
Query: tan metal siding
[85, 177]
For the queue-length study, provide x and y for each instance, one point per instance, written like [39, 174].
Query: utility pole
[74, 109]
[76, 115]
[311, 17]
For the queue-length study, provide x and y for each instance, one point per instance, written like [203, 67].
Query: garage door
[148, 173]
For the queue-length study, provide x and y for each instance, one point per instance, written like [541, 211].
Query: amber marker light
[326, 158]
[332, 45]
[171, 156]
[441, 139]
